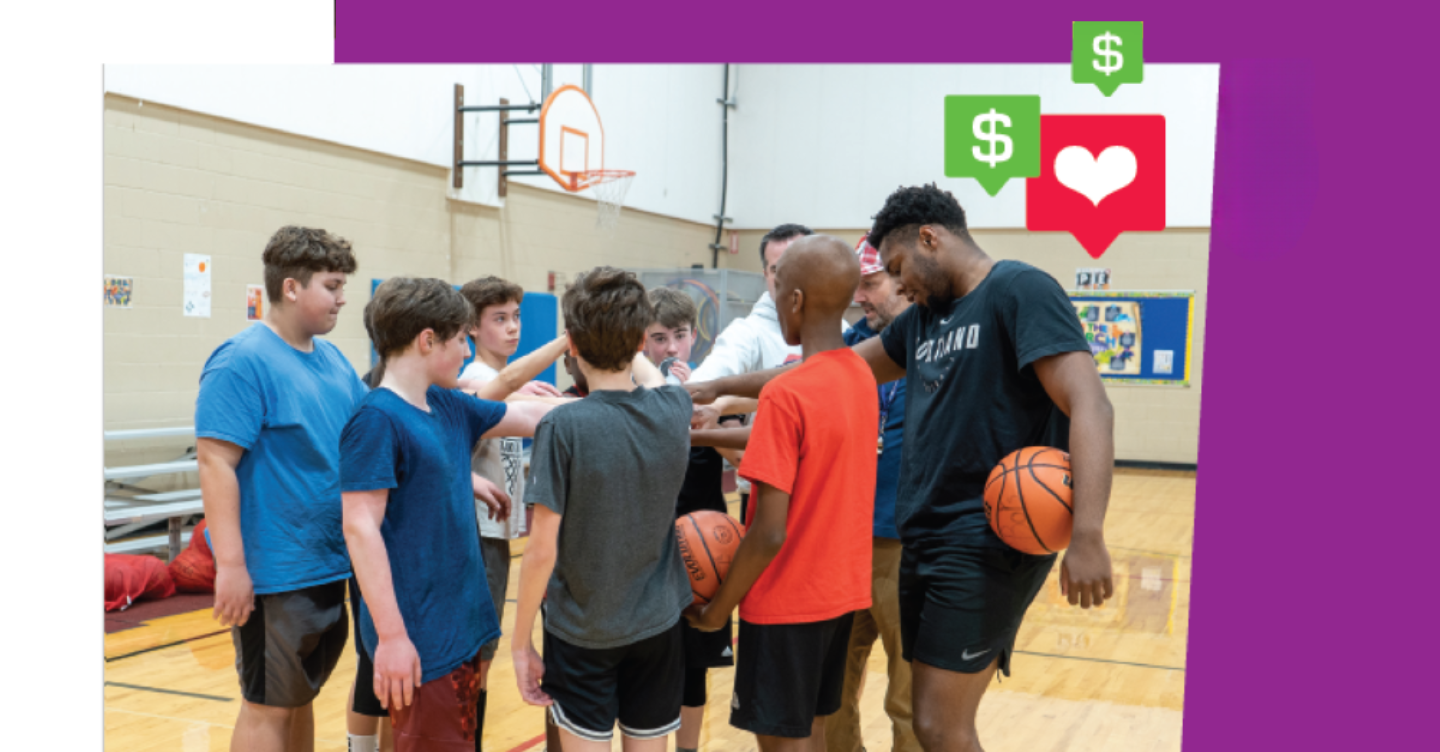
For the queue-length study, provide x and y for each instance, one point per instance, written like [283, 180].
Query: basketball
[708, 541]
[1027, 500]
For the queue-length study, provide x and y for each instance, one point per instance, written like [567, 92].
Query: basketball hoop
[610, 189]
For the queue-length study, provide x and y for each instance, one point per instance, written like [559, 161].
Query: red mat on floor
[143, 611]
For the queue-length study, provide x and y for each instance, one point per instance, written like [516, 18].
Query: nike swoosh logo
[966, 655]
[946, 320]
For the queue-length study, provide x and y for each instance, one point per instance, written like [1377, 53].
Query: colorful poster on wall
[197, 285]
[118, 291]
[1092, 279]
[254, 302]
[1113, 330]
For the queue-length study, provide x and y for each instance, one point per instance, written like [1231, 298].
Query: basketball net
[610, 189]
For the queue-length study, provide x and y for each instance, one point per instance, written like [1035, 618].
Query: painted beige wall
[1152, 423]
[179, 182]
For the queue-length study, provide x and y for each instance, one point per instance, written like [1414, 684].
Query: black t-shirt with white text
[973, 396]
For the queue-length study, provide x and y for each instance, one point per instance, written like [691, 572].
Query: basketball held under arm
[761, 544]
[1071, 381]
[885, 369]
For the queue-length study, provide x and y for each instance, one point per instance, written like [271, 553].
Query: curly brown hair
[489, 291]
[606, 312]
[298, 252]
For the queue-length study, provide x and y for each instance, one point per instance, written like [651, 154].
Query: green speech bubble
[992, 139]
[1108, 53]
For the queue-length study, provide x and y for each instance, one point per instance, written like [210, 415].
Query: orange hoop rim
[591, 178]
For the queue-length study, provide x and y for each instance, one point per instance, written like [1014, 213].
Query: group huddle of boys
[403, 483]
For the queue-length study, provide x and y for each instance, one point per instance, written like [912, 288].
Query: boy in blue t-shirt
[409, 517]
[273, 400]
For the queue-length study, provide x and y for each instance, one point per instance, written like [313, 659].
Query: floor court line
[1102, 660]
[1156, 553]
[143, 688]
[167, 645]
[522, 746]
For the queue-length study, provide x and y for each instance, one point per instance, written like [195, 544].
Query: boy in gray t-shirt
[604, 476]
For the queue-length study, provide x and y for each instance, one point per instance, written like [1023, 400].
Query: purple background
[1310, 622]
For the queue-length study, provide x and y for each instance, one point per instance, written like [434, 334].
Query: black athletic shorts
[788, 675]
[366, 703]
[640, 685]
[286, 650]
[704, 651]
[960, 606]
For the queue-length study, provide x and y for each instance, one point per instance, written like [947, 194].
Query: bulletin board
[540, 324]
[1139, 337]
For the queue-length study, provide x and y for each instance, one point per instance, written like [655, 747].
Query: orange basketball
[1027, 500]
[708, 541]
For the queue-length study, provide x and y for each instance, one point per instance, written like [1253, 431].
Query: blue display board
[539, 319]
[1139, 337]
[540, 324]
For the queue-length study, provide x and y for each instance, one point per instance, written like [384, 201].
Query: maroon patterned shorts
[442, 714]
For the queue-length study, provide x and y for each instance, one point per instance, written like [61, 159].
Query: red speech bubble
[1100, 175]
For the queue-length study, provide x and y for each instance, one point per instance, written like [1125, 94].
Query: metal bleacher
[125, 514]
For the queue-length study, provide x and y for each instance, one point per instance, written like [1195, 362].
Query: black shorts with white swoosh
[960, 606]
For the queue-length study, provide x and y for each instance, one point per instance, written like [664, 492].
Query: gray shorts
[286, 650]
[496, 554]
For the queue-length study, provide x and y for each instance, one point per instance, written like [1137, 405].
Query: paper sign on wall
[197, 285]
[1165, 361]
[118, 291]
[254, 302]
[1092, 279]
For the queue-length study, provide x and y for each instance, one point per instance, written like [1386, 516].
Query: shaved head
[824, 268]
[816, 279]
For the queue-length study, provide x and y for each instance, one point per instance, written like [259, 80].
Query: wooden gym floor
[1105, 679]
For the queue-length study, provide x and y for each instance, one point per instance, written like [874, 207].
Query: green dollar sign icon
[992, 139]
[1108, 54]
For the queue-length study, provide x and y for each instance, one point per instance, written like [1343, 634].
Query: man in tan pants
[876, 296]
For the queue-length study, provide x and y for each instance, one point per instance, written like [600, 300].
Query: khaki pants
[882, 620]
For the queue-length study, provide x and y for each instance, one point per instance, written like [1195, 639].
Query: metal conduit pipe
[725, 104]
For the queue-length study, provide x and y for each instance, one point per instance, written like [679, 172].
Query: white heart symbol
[1095, 178]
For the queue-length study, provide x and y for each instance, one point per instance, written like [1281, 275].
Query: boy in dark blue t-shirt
[409, 516]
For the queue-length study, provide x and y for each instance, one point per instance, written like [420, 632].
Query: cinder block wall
[180, 182]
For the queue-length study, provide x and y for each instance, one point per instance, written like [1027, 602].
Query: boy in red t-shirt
[804, 565]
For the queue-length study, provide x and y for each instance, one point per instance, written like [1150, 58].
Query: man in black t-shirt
[994, 360]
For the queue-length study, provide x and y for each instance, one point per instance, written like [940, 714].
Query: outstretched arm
[535, 570]
[721, 438]
[1072, 382]
[759, 547]
[739, 385]
[519, 373]
[885, 369]
[645, 372]
[520, 419]
[707, 416]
